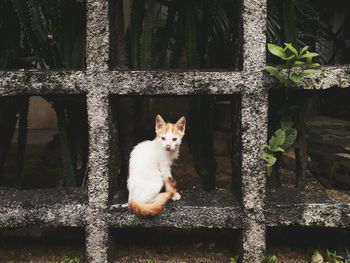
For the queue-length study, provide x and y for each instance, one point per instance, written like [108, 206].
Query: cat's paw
[176, 197]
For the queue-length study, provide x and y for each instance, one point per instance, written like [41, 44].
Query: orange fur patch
[169, 127]
[150, 209]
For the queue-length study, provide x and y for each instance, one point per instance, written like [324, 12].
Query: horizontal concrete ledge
[44, 207]
[196, 209]
[174, 83]
[329, 77]
[307, 208]
[123, 82]
[154, 82]
[42, 82]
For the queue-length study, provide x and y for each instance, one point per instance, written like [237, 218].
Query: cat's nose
[167, 147]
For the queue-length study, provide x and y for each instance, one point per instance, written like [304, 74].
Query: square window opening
[44, 141]
[309, 135]
[298, 244]
[165, 35]
[210, 151]
[163, 245]
[38, 244]
[42, 35]
[321, 25]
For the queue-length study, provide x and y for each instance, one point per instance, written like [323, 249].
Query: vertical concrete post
[97, 229]
[97, 56]
[97, 35]
[254, 129]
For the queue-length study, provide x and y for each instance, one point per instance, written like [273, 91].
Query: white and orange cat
[150, 169]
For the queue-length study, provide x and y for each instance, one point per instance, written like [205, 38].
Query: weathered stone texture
[196, 209]
[98, 183]
[307, 208]
[254, 39]
[218, 209]
[97, 35]
[41, 82]
[329, 77]
[174, 83]
[51, 207]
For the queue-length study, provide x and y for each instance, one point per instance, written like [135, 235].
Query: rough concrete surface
[51, 207]
[220, 210]
[196, 209]
[290, 206]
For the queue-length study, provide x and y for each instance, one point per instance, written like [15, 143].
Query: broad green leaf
[295, 77]
[277, 139]
[266, 146]
[291, 48]
[310, 71]
[277, 149]
[276, 73]
[309, 55]
[309, 60]
[276, 50]
[289, 58]
[314, 65]
[269, 158]
[299, 63]
[291, 136]
[304, 49]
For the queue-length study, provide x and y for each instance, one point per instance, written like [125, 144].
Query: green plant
[347, 256]
[332, 257]
[282, 140]
[270, 259]
[36, 36]
[70, 260]
[234, 259]
[297, 64]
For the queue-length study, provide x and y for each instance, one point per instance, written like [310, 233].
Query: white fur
[150, 163]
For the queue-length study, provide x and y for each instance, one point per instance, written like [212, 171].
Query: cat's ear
[159, 122]
[181, 124]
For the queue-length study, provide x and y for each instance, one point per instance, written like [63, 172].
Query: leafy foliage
[234, 259]
[70, 260]
[282, 140]
[297, 64]
[270, 259]
[45, 34]
[332, 257]
[347, 256]
[182, 34]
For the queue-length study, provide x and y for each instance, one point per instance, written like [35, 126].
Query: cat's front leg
[176, 196]
[170, 182]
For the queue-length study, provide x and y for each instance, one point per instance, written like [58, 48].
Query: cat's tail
[154, 208]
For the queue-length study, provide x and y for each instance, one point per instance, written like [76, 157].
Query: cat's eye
[174, 139]
[163, 138]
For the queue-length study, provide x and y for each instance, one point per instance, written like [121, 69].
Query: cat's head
[170, 135]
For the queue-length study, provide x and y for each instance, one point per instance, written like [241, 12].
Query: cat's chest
[163, 165]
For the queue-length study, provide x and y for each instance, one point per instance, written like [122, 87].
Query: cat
[150, 169]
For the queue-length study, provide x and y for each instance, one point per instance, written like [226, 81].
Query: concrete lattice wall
[93, 210]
